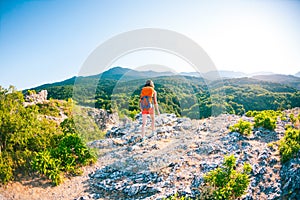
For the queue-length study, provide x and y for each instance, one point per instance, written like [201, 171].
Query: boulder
[33, 98]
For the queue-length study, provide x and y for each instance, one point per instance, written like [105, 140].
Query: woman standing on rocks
[148, 100]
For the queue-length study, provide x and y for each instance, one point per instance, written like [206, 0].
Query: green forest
[186, 96]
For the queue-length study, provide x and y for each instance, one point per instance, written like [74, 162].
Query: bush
[266, 119]
[68, 157]
[225, 182]
[251, 113]
[222, 183]
[283, 118]
[48, 109]
[242, 127]
[44, 163]
[73, 151]
[177, 197]
[292, 118]
[6, 170]
[289, 145]
[29, 141]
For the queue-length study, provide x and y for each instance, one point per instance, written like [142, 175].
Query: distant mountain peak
[289, 80]
[118, 70]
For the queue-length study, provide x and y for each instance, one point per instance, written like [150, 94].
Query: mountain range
[185, 94]
[126, 74]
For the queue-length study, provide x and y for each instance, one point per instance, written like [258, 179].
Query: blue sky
[44, 41]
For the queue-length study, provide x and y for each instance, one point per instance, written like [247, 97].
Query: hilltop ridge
[174, 161]
[117, 73]
[176, 157]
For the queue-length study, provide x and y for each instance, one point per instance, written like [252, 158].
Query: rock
[155, 146]
[131, 190]
[127, 183]
[95, 196]
[184, 123]
[290, 177]
[36, 98]
[102, 144]
[197, 181]
[103, 119]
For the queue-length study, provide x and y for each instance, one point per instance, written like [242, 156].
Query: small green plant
[266, 119]
[271, 144]
[225, 182]
[46, 164]
[242, 127]
[288, 126]
[292, 118]
[176, 196]
[283, 117]
[251, 113]
[290, 144]
[49, 109]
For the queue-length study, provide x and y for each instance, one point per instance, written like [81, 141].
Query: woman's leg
[144, 119]
[152, 121]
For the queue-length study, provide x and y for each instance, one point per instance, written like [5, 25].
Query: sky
[45, 41]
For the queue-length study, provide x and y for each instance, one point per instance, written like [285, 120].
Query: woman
[148, 100]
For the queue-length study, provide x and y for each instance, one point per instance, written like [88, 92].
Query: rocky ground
[173, 160]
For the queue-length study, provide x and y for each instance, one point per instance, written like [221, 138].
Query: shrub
[177, 197]
[287, 126]
[31, 142]
[292, 118]
[242, 127]
[72, 151]
[289, 145]
[252, 113]
[6, 170]
[249, 113]
[266, 119]
[49, 109]
[68, 157]
[44, 163]
[225, 182]
[283, 117]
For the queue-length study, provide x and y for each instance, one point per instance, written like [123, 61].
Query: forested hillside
[290, 80]
[118, 89]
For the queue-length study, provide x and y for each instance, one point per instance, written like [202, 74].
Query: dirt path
[41, 189]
